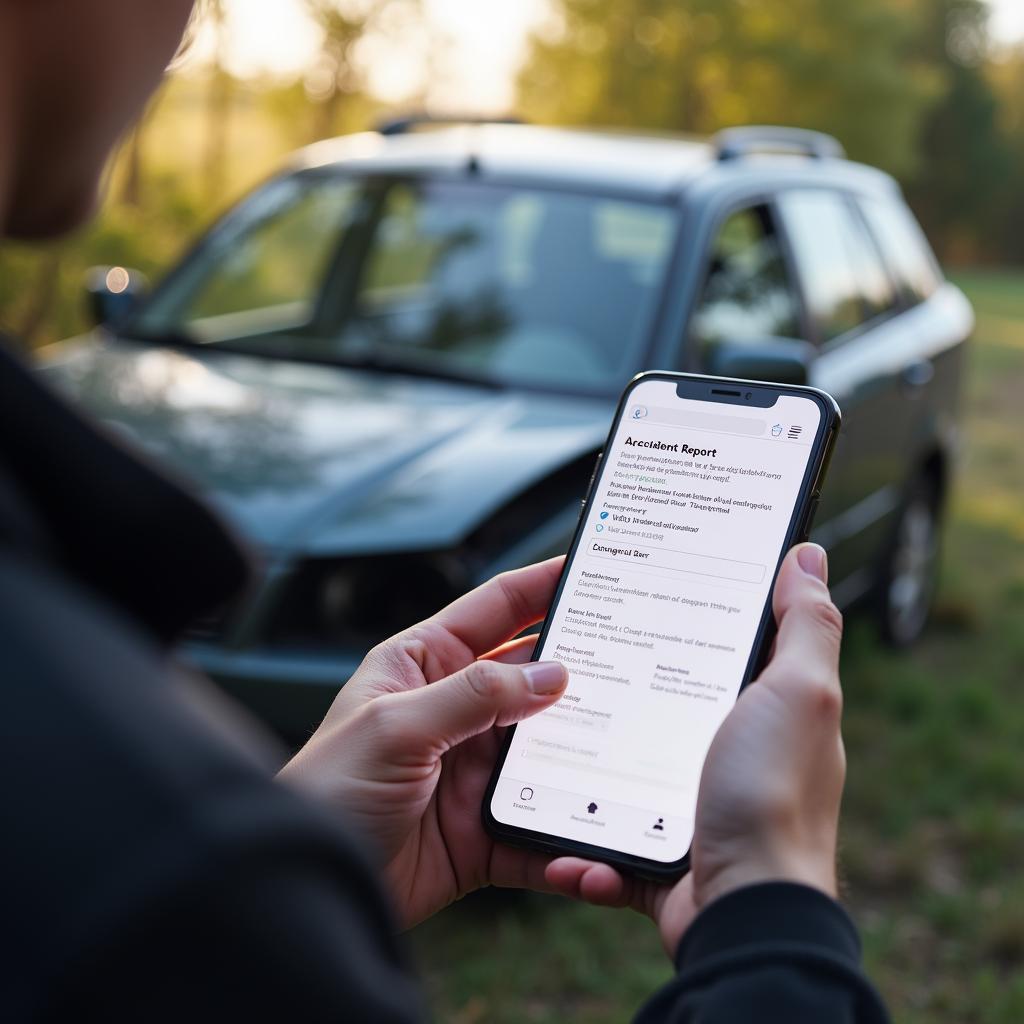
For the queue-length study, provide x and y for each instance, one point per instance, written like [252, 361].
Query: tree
[131, 187]
[219, 96]
[1006, 76]
[338, 77]
[966, 163]
[700, 65]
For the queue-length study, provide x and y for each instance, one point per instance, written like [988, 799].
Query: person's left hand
[409, 744]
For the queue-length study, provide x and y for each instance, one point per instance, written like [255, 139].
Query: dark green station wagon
[391, 366]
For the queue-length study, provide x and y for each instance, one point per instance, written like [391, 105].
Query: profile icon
[639, 412]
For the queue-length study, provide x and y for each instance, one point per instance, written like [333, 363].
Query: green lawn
[933, 824]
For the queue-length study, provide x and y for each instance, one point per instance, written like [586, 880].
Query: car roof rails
[411, 122]
[734, 143]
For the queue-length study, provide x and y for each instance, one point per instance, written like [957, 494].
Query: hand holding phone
[662, 615]
[768, 806]
[408, 746]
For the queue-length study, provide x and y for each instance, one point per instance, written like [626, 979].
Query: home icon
[591, 807]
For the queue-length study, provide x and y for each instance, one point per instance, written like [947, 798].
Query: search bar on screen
[698, 420]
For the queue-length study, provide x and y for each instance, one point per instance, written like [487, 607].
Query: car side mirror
[774, 360]
[113, 294]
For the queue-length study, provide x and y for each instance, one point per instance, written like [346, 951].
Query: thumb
[439, 716]
[810, 625]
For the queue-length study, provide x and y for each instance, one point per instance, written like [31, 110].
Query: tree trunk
[218, 128]
[131, 189]
[218, 112]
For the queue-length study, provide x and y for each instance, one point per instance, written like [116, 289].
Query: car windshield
[453, 277]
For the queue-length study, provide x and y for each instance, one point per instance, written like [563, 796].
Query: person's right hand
[768, 806]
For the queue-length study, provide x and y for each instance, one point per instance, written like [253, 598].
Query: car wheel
[910, 573]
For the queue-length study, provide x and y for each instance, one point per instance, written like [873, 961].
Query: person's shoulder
[98, 720]
[68, 655]
[130, 788]
[103, 736]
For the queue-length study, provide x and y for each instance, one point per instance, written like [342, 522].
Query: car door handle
[917, 375]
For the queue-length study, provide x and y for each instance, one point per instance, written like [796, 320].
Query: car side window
[877, 293]
[844, 279]
[747, 294]
[904, 245]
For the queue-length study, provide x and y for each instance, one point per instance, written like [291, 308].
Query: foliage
[144, 238]
[700, 65]
[336, 76]
[1007, 79]
[965, 171]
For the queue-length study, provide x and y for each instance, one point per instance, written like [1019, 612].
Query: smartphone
[662, 614]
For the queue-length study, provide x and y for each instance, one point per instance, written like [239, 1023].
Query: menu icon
[794, 432]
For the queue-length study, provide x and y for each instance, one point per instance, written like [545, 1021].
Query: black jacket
[152, 867]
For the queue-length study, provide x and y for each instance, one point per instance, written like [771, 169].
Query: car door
[747, 296]
[852, 309]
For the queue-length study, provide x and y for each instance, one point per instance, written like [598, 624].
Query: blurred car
[392, 365]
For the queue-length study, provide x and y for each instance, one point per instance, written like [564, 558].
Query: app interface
[657, 618]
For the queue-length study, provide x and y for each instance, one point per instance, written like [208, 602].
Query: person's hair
[191, 31]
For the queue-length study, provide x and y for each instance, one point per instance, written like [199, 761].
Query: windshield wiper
[366, 359]
[177, 338]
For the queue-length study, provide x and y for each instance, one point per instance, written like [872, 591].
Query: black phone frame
[730, 391]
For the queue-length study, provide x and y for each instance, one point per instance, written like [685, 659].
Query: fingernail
[813, 561]
[545, 676]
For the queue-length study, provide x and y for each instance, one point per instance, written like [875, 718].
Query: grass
[933, 819]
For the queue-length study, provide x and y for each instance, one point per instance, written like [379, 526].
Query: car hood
[329, 460]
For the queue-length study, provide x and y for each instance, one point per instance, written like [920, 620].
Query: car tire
[909, 575]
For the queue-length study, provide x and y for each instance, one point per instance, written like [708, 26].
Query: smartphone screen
[659, 610]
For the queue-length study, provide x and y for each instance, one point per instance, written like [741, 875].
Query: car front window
[457, 277]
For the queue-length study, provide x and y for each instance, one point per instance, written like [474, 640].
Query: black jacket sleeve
[95, 508]
[275, 937]
[152, 869]
[776, 952]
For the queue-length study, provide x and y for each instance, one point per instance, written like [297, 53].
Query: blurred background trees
[915, 86]
[336, 75]
[851, 69]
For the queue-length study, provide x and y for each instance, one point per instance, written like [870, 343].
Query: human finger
[502, 607]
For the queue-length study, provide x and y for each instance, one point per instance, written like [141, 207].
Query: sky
[1007, 20]
[487, 40]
